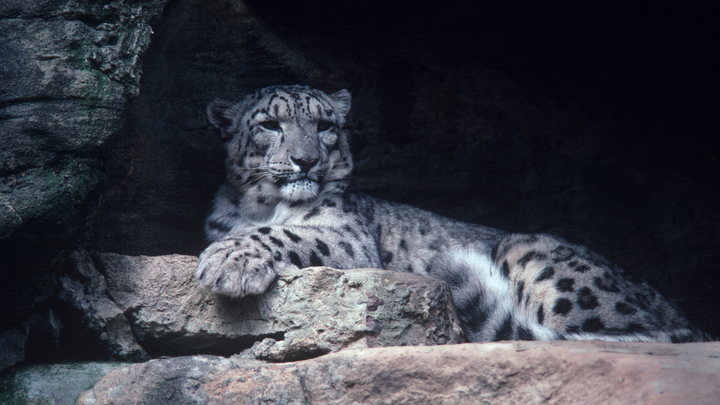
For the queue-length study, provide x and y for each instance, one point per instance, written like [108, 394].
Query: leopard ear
[219, 113]
[342, 100]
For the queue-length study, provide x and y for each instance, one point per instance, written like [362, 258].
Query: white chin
[299, 190]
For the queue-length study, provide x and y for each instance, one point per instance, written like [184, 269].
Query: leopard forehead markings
[287, 203]
[282, 144]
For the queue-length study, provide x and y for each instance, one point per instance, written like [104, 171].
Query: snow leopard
[288, 202]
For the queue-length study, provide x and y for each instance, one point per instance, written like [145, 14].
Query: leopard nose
[304, 164]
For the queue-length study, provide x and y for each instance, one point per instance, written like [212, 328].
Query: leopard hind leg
[483, 300]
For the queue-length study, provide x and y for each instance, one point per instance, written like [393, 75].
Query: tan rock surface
[153, 302]
[494, 373]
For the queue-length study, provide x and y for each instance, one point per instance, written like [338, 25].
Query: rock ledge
[152, 305]
[500, 373]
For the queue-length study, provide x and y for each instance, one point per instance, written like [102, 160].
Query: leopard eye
[270, 125]
[324, 125]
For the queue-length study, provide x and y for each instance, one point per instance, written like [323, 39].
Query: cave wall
[572, 119]
[67, 70]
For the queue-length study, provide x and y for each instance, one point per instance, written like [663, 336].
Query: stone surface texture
[145, 304]
[582, 373]
[67, 71]
[51, 384]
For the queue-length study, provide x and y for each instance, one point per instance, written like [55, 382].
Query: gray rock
[67, 71]
[153, 303]
[170, 381]
[52, 384]
[12, 346]
[100, 313]
[584, 373]
[13, 340]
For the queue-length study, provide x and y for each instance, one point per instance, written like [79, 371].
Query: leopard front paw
[235, 268]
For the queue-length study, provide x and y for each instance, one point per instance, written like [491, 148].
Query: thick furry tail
[487, 309]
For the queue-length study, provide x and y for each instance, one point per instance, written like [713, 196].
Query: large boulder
[144, 304]
[582, 373]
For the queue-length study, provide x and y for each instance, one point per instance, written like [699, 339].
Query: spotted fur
[287, 203]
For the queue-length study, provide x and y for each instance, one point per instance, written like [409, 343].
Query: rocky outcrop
[67, 70]
[582, 373]
[143, 304]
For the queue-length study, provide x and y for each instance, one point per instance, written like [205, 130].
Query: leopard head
[285, 142]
